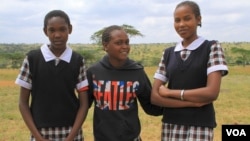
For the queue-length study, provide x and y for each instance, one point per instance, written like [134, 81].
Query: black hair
[56, 13]
[106, 33]
[193, 5]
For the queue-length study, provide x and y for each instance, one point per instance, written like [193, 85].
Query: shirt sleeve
[217, 61]
[82, 79]
[161, 71]
[24, 78]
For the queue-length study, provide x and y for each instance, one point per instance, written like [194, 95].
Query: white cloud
[22, 20]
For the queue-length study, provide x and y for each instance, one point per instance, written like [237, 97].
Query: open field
[232, 107]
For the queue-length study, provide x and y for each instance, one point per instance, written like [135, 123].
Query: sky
[21, 21]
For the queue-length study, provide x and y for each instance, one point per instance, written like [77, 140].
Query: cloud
[22, 20]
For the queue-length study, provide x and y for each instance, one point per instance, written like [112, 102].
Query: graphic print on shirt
[115, 95]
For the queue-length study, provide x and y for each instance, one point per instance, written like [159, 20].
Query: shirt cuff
[24, 84]
[222, 68]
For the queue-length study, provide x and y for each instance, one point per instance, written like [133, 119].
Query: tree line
[12, 55]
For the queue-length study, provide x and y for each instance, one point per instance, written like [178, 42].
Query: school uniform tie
[185, 54]
[57, 60]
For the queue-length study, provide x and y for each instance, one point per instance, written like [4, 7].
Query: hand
[43, 139]
[67, 139]
[201, 104]
[163, 91]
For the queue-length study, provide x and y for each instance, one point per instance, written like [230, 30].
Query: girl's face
[186, 23]
[57, 31]
[117, 48]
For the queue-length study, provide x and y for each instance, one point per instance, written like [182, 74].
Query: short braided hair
[106, 33]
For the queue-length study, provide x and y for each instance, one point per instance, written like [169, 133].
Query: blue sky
[21, 21]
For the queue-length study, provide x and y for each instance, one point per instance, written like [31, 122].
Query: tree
[131, 31]
[14, 60]
[244, 55]
[90, 56]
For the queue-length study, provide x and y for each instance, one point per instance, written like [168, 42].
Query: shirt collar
[194, 45]
[48, 55]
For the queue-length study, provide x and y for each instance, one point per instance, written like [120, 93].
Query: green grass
[232, 107]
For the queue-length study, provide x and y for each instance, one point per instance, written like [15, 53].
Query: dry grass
[231, 107]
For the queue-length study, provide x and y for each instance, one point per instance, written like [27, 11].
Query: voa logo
[236, 132]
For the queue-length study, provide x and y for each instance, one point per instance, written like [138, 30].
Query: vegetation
[243, 57]
[11, 55]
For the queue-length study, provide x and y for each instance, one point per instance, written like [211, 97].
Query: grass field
[232, 107]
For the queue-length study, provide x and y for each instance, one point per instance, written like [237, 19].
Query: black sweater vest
[54, 102]
[189, 74]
